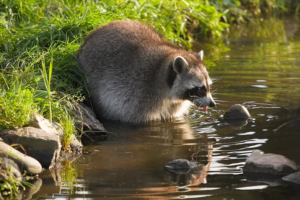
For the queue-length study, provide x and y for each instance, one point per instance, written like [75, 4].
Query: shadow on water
[261, 71]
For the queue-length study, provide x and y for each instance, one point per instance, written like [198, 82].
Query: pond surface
[261, 71]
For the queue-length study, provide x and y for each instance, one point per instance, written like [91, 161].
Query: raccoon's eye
[201, 92]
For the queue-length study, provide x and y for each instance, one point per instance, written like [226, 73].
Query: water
[262, 72]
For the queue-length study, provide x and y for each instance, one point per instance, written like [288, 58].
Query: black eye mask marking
[200, 92]
[195, 92]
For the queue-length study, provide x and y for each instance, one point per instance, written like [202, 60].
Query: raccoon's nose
[212, 103]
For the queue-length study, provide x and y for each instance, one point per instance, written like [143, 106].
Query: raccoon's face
[191, 81]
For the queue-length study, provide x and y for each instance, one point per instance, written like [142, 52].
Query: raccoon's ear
[179, 64]
[200, 55]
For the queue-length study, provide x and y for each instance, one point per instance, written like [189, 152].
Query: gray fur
[135, 76]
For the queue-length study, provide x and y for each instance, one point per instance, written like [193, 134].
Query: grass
[47, 81]
[69, 130]
[39, 40]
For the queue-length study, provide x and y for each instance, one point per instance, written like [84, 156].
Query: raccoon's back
[120, 42]
[124, 54]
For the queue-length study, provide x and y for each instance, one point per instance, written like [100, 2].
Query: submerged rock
[269, 163]
[294, 178]
[236, 123]
[24, 162]
[180, 166]
[269, 179]
[237, 111]
[43, 145]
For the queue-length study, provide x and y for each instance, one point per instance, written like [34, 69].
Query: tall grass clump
[69, 130]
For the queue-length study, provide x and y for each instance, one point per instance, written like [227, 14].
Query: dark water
[261, 71]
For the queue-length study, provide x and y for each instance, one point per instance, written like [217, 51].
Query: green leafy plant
[16, 106]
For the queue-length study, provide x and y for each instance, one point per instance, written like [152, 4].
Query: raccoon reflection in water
[151, 148]
[136, 76]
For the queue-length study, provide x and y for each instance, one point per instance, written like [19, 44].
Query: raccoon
[134, 75]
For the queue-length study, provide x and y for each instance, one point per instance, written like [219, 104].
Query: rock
[237, 111]
[86, 118]
[39, 144]
[45, 125]
[180, 166]
[40, 122]
[25, 162]
[269, 163]
[75, 144]
[6, 164]
[294, 177]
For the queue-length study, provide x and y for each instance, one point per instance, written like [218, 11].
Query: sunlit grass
[47, 81]
[69, 130]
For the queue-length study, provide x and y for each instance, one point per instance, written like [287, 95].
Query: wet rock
[75, 144]
[180, 166]
[6, 164]
[237, 111]
[86, 118]
[294, 177]
[24, 162]
[42, 144]
[269, 163]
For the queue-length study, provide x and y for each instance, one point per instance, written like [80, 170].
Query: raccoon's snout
[212, 103]
[206, 97]
[204, 102]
